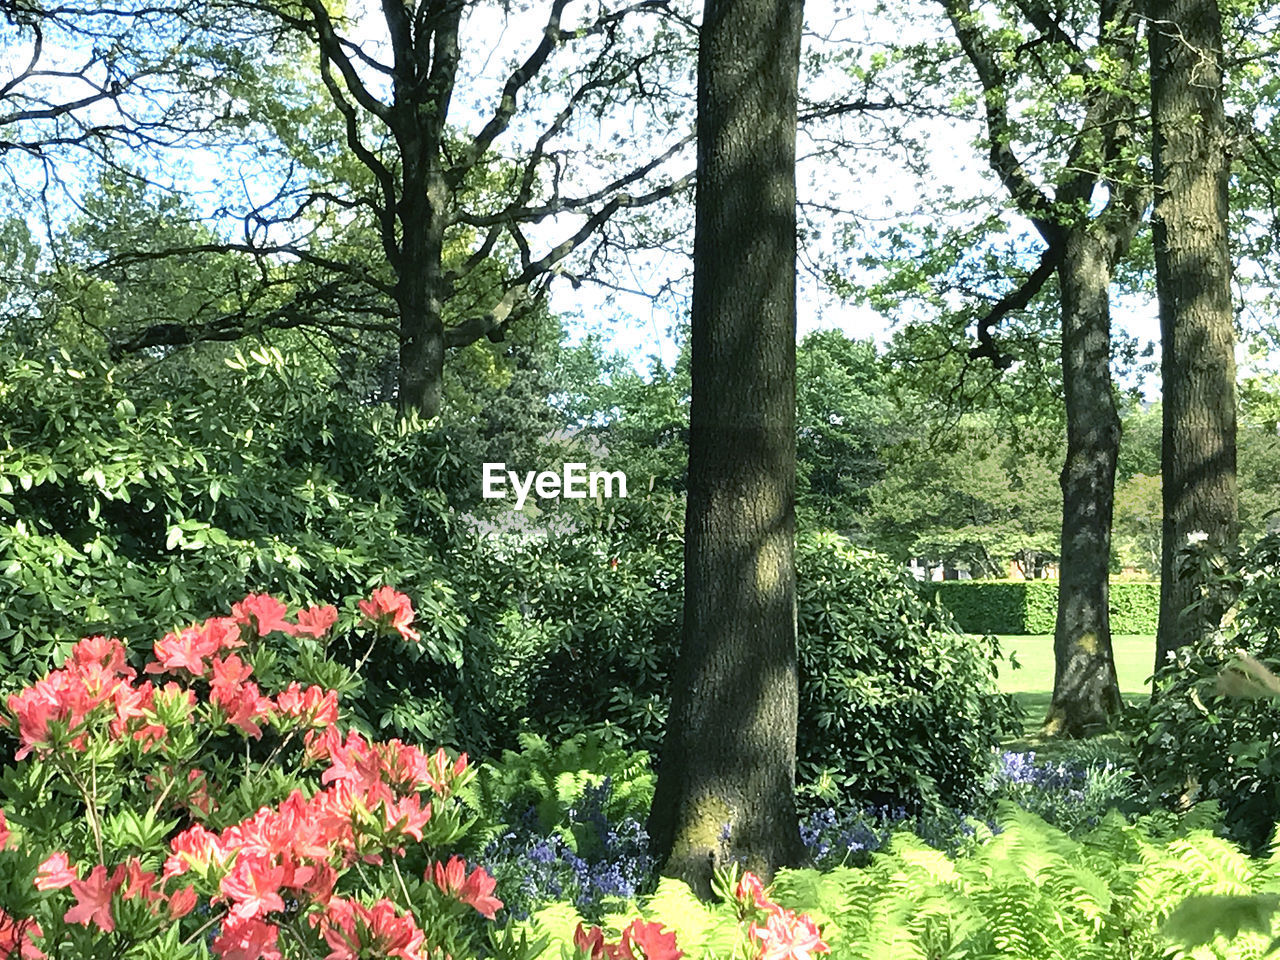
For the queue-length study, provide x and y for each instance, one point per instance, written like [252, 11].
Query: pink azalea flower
[55, 873]
[391, 610]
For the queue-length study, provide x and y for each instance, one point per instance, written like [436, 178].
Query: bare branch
[518, 80]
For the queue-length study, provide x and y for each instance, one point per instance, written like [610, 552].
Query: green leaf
[1202, 918]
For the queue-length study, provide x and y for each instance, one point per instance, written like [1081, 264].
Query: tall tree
[1191, 162]
[1091, 50]
[725, 789]
[427, 174]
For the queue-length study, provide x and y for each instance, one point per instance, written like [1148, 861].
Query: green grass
[1032, 684]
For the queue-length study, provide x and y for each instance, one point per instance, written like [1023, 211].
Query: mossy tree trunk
[1086, 693]
[726, 783]
[1191, 162]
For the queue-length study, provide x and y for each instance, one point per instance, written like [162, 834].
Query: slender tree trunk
[1193, 278]
[726, 783]
[1086, 693]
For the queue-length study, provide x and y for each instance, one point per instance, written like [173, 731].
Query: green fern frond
[557, 922]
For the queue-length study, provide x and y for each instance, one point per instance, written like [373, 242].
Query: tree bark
[726, 782]
[1191, 163]
[1086, 693]
[419, 295]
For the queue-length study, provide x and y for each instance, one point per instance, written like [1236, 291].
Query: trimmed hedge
[1031, 606]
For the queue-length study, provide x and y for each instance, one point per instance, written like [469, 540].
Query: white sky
[638, 326]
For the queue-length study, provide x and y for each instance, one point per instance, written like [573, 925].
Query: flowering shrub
[850, 836]
[765, 930]
[1071, 795]
[198, 812]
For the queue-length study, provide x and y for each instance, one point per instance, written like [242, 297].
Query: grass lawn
[1032, 684]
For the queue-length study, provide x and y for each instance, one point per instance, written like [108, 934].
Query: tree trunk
[421, 379]
[726, 782]
[419, 296]
[1193, 278]
[1086, 693]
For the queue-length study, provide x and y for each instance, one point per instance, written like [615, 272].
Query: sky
[640, 325]
[873, 191]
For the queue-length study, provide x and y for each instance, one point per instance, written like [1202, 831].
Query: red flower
[391, 611]
[16, 936]
[317, 621]
[242, 939]
[182, 902]
[139, 884]
[353, 930]
[475, 889]
[105, 652]
[313, 707]
[4, 831]
[264, 613]
[788, 937]
[750, 892]
[93, 898]
[653, 943]
[407, 817]
[591, 941]
[441, 774]
[650, 938]
[195, 846]
[254, 887]
[186, 650]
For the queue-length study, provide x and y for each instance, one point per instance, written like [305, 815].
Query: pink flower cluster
[654, 944]
[371, 801]
[95, 892]
[16, 934]
[373, 796]
[784, 936]
[97, 680]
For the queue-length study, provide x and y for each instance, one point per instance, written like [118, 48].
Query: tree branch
[1015, 300]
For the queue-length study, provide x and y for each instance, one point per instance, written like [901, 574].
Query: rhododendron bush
[182, 810]
[185, 807]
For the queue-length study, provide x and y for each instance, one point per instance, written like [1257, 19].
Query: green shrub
[1030, 607]
[1135, 606]
[895, 703]
[121, 507]
[550, 780]
[125, 507]
[985, 606]
[1195, 742]
[598, 624]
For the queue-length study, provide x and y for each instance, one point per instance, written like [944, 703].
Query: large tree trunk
[419, 279]
[1193, 277]
[726, 783]
[1086, 693]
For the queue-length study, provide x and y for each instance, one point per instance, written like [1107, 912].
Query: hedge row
[1031, 606]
